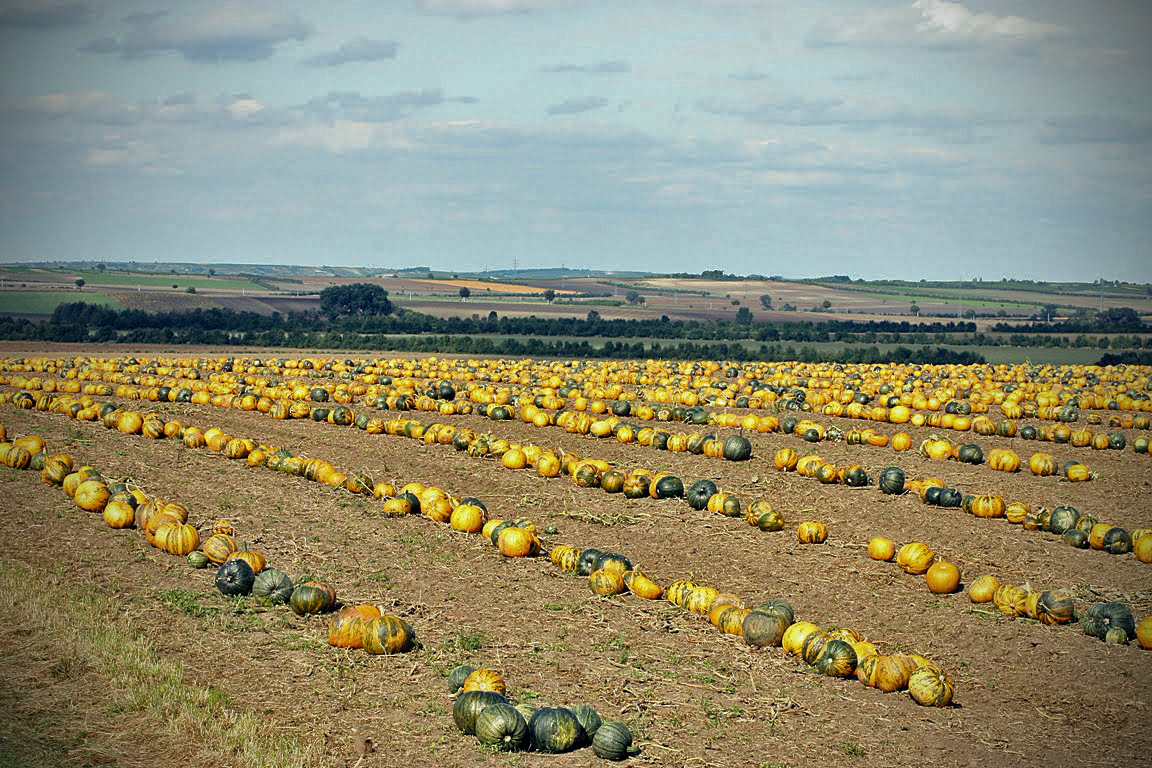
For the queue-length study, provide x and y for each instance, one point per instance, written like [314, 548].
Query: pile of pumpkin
[833, 652]
[482, 709]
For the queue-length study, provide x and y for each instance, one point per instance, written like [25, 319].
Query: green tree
[593, 316]
[80, 283]
[353, 300]
[465, 292]
[744, 316]
[914, 309]
[766, 301]
[633, 297]
[549, 295]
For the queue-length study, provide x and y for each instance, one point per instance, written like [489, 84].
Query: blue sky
[930, 139]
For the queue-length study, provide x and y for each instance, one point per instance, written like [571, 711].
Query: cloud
[224, 32]
[357, 50]
[353, 106]
[487, 7]
[613, 67]
[576, 106]
[1097, 129]
[932, 24]
[46, 14]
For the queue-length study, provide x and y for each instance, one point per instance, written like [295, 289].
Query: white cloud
[341, 136]
[933, 23]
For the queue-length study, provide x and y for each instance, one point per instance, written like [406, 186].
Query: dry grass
[78, 669]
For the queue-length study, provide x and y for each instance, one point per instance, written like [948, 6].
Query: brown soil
[1026, 694]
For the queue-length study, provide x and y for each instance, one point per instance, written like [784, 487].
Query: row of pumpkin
[609, 573]
[164, 524]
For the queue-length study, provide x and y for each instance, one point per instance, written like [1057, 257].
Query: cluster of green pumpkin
[482, 709]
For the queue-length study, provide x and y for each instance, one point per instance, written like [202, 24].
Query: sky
[879, 139]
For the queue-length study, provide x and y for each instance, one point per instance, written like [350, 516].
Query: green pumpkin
[588, 717]
[778, 607]
[892, 481]
[669, 487]
[699, 493]
[1117, 541]
[838, 659]
[737, 448]
[457, 677]
[586, 563]
[814, 646]
[556, 730]
[970, 454]
[469, 705]
[856, 478]
[1052, 608]
[235, 578]
[272, 587]
[612, 481]
[1028, 433]
[613, 741]
[501, 726]
[198, 559]
[1074, 537]
[310, 598]
[764, 630]
[770, 521]
[1063, 518]
[1101, 617]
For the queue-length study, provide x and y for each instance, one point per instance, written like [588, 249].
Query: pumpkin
[612, 562]
[1102, 617]
[1142, 548]
[234, 578]
[467, 518]
[198, 559]
[915, 558]
[182, 540]
[785, 460]
[310, 597]
[814, 645]
[586, 562]
[778, 607]
[930, 687]
[1052, 608]
[725, 504]
[892, 672]
[1117, 541]
[983, 590]
[943, 578]
[606, 582]
[737, 448]
[119, 514]
[501, 726]
[254, 559]
[272, 587]
[218, 547]
[346, 628]
[987, 506]
[386, 634]
[92, 495]
[1144, 633]
[555, 730]
[457, 677]
[612, 741]
[678, 590]
[838, 659]
[881, 549]
[891, 481]
[763, 516]
[1010, 600]
[669, 487]
[611, 481]
[763, 630]
[699, 599]
[796, 635]
[468, 706]
[588, 718]
[642, 586]
[564, 557]
[485, 680]
[517, 542]
[812, 532]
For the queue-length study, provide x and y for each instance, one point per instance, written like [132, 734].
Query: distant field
[45, 302]
[97, 278]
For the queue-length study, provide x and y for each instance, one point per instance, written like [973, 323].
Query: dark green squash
[272, 587]
[613, 741]
[932, 495]
[892, 481]
[856, 477]
[235, 578]
[1074, 537]
[501, 726]
[198, 559]
[764, 630]
[498, 529]
[611, 560]
[612, 481]
[1063, 518]
[811, 435]
[838, 659]
[970, 454]
[1028, 432]
[555, 730]
[588, 717]
[1101, 617]
[457, 677]
[469, 705]
[737, 448]
[778, 607]
[699, 493]
[1053, 608]
[586, 563]
[949, 498]
[1117, 541]
[311, 597]
[814, 646]
[1117, 441]
[669, 487]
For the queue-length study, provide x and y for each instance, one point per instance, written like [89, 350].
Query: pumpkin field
[353, 559]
